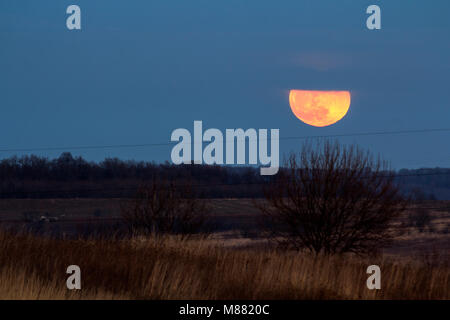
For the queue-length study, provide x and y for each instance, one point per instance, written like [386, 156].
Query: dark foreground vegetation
[322, 221]
[333, 199]
[169, 267]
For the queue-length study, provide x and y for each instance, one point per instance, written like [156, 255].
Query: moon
[319, 108]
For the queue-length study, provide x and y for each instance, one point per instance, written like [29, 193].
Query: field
[236, 221]
[172, 268]
[232, 263]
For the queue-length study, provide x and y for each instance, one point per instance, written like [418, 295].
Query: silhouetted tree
[162, 207]
[332, 199]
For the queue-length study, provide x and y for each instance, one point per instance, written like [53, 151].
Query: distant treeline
[69, 177]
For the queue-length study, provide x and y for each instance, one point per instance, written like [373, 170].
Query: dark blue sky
[140, 69]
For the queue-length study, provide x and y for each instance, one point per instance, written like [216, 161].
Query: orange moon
[319, 108]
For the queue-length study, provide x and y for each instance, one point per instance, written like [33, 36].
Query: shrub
[332, 199]
[162, 207]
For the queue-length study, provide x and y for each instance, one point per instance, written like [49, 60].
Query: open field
[235, 220]
[172, 268]
[234, 262]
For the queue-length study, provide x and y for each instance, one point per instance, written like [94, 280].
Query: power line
[143, 145]
[373, 133]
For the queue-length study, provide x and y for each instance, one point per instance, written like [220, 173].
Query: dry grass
[171, 268]
[18, 285]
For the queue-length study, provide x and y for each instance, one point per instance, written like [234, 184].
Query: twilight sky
[140, 69]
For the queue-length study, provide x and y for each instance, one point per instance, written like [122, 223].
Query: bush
[332, 199]
[162, 207]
